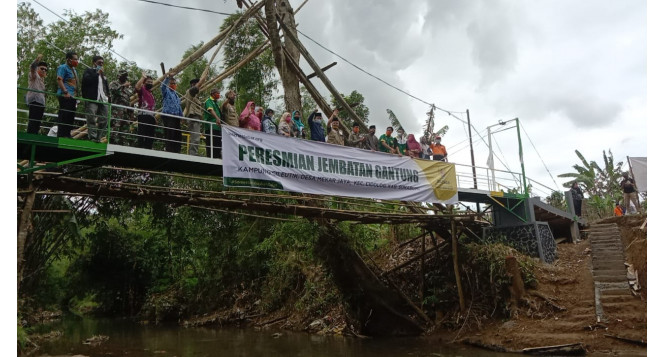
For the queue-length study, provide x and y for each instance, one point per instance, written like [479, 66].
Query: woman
[248, 118]
[285, 127]
[413, 147]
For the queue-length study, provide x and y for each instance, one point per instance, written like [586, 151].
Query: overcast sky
[573, 72]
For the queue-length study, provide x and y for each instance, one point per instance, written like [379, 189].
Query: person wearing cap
[193, 109]
[355, 139]
[213, 115]
[438, 150]
[228, 111]
[371, 142]
[268, 124]
[386, 143]
[335, 136]
[35, 99]
[315, 121]
[121, 118]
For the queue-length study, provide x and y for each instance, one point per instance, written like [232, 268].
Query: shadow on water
[127, 338]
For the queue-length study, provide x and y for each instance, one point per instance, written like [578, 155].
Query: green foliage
[356, 101]
[557, 199]
[22, 336]
[255, 81]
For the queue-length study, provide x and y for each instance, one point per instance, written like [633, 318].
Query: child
[617, 211]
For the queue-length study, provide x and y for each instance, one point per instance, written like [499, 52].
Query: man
[355, 139]
[371, 142]
[193, 109]
[121, 118]
[577, 198]
[171, 103]
[94, 87]
[36, 101]
[334, 136]
[67, 85]
[629, 193]
[315, 121]
[402, 141]
[228, 110]
[213, 115]
[386, 143]
[438, 150]
[146, 120]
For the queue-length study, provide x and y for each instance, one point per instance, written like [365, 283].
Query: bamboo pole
[23, 228]
[303, 51]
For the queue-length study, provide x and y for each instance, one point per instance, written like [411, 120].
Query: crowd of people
[201, 108]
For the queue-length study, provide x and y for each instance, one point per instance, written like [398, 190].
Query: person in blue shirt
[316, 127]
[67, 86]
[171, 103]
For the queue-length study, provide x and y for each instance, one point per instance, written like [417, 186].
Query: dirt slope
[569, 284]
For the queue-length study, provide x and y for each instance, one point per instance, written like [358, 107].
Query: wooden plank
[570, 349]
[322, 69]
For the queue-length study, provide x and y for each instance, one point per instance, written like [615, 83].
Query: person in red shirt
[438, 150]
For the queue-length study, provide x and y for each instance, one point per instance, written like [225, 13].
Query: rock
[317, 325]
[277, 335]
[508, 325]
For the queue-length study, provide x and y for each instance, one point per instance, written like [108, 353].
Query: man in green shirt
[212, 114]
[387, 143]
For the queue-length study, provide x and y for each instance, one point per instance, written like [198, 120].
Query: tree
[356, 101]
[287, 70]
[585, 175]
[255, 81]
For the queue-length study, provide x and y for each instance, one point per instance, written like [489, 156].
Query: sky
[574, 73]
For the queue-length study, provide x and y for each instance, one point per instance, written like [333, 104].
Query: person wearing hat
[335, 136]
[228, 111]
[355, 139]
[121, 118]
[193, 109]
[438, 150]
[315, 121]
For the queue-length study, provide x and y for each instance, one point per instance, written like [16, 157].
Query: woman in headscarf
[298, 126]
[414, 149]
[285, 126]
[248, 118]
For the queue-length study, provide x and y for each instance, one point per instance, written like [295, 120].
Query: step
[609, 265]
[609, 279]
[619, 298]
[619, 272]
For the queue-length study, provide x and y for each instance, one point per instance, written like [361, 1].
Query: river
[130, 339]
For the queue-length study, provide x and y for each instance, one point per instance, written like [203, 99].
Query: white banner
[639, 167]
[260, 160]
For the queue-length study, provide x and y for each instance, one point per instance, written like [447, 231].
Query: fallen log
[570, 349]
[486, 346]
[641, 343]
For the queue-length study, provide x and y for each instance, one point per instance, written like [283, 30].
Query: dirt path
[569, 283]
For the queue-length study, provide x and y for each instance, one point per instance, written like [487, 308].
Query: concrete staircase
[612, 291]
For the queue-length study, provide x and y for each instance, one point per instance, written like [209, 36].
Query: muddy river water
[126, 338]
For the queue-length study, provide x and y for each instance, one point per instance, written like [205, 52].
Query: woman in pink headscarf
[414, 149]
[248, 118]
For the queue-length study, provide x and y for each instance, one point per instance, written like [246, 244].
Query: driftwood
[570, 349]
[273, 321]
[641, 343]
[413, 259]
[548, 300]
[487, 346]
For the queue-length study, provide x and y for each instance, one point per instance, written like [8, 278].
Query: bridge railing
[121, 123]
